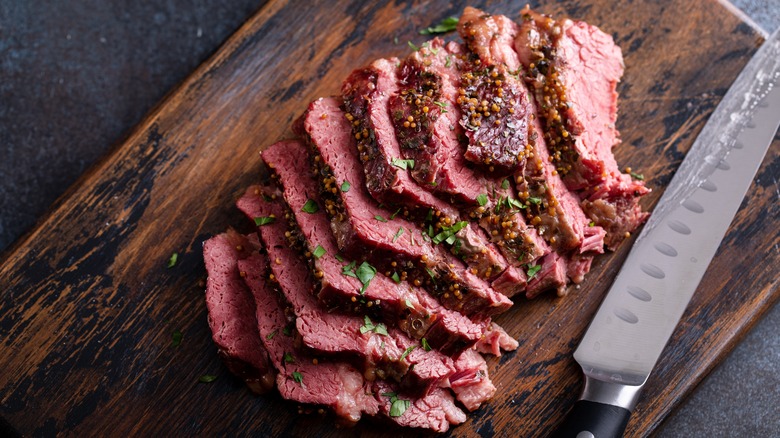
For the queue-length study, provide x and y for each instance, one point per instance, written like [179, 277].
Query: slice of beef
[471, 383]
[436, 410]
[574, 69]
[368, 94]
[495, 340]
[385, 353]
[301, 378]
[551, 273]
[494, 102]
[431, 75]
[232, 313]
[360, 225]
[411, 308]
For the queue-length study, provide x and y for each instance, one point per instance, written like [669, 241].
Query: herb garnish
[535, 200]
[207, 378]
[430, 272]
[397, 406]
[482, 199]
[408, 303]
[298, 377]
[638, 176]
[172, 261]
[349, 270]
[365, 273]
[448, 64]
[310, 207]
[406, 352]
[532, 270]
[505, 184]
[425, 345]
[264, 220]
[319, 251]
[177, 337]
[398, 233]
[345, 186]
[395, 277]
[271, 335]
[392, 216]
[447, 25]
[412, 46]
[448, 233]
[403, 164]
[369, 326]
[288, 358]
[380, 218]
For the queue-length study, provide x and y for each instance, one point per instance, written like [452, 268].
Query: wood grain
[88, 306]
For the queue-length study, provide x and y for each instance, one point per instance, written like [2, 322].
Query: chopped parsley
[172, 261]
[397, 406]
[365, 273]
[298, 377]
[207, 378]
[369, 326]
[406, 352]
[310, 207]
[447, 25]
[345, 186]
[448, 233]
[591, 224]
[264, 220]
[535, 200]
[392, 216]
[398, 233]
[430, 272]
[403, 164]
[287, 330]
[177, 337]
[408, 303]
[319, 251]
[429, 217]
[380, 218]
[532, 270]
[638, 176]
[505, 184]
[482, 199]
[412, 46]
[271, 335]
[339, 258]
[448, 64]
[425, 345]
[441, 105]
[288, 358]
[395, 277]
[349, 270]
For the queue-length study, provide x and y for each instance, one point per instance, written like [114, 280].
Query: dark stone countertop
[76, 76]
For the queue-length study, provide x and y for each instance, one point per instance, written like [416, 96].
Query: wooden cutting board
[88, 306]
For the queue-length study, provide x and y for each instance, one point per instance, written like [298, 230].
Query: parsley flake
[298, 377]
[365, 273]
[264, 220]
[412, 46]
[172, 261]
[447, 25]
[319, 251]
[532, 270]
[398, 233]
[271, 335]
[395, 277]
[399, 407]
[425, 345]
[408, 303]
[448, 233]
[448, 64]
[482, 199]
[207, 378]
[345, 186]
[177, 337]
[403, 164]
[310, 207]
[349, 270]
[535, 200]
[392, 216]
[288, 358]
[505, 184]
[406, 352]
[380, 218]
[637, 176]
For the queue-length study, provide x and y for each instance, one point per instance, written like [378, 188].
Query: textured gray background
[59, 59]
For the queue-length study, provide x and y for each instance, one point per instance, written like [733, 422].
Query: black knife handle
[589, 419]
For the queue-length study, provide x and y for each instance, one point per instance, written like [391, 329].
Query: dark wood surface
[88, 306]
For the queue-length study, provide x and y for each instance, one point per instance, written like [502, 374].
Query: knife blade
[666, 263]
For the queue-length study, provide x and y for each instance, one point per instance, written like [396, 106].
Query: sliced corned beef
[368, 95]
[232, 311]
[436, 410]
[495, 340]
[574, 69]
[493, 100]
[416, 313]
[550, 273]
[382, 351]
[359, 224]
[336, 385]
[470, 382]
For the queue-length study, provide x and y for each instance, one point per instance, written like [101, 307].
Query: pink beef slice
[436, 410]
[337, 385]
[471, 383]
[231, 311]
[495, 340]
[368, 94]
[382, 355]
[354, 221]
[493, 100]
[411, 308]
[580, 66]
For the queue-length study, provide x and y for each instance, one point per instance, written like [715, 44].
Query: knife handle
[589, 419]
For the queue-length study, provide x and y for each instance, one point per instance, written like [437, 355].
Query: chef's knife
[670, 256]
